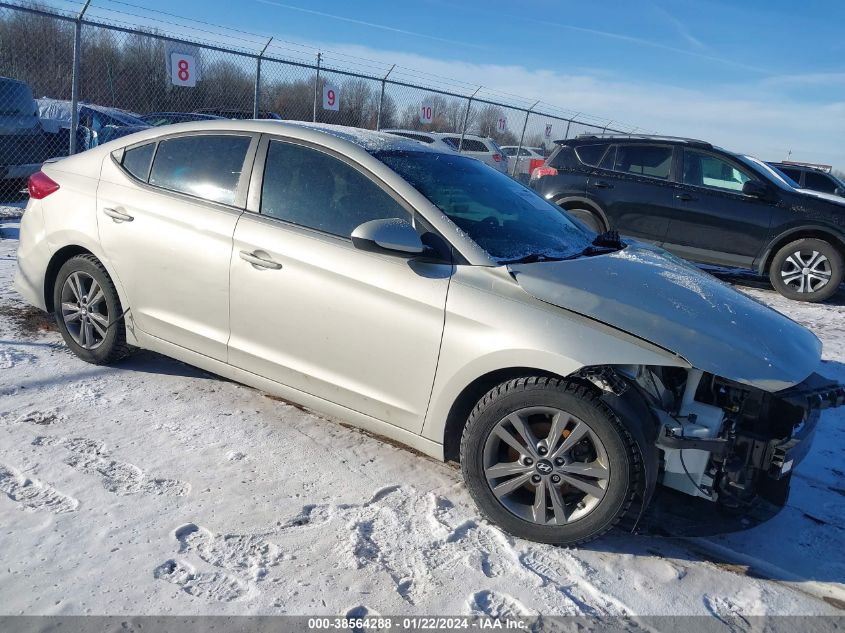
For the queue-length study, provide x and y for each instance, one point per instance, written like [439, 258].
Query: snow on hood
[824, 196]
[657, 297]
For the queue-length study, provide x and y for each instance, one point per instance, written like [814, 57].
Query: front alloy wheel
[547, 460]
[546, 466]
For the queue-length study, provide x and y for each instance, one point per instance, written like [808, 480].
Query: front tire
[545, 459]
[808, 269]
[88, 311]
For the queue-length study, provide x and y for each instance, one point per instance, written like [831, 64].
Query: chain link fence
[73, 78]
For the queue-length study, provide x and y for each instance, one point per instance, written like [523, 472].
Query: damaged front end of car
[713, 443]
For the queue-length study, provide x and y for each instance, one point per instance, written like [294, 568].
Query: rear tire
[808, 269]
[588, 219]
[88, 311]
[573, 478]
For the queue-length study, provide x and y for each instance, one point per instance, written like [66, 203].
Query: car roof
[368, 140]
[634, 138]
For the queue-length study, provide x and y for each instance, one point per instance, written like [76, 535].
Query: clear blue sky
[760, 76]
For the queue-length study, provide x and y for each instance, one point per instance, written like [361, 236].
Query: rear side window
[469, 144]
[206, 166]
[317, 191]
[609, 159]
[137, 161]
[590, 154]
[795, 174]
[818, 182]
[644, 160]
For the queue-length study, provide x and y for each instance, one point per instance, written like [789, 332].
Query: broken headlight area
[730, 443]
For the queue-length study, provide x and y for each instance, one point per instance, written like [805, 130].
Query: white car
[523, 161]
[429, 299]
[478, 147]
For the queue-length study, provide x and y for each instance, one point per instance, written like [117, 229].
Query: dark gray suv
[21, 137]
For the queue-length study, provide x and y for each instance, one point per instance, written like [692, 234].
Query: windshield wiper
[532, 258]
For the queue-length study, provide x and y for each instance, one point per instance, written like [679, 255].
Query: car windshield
[771, 173]
[507, 220]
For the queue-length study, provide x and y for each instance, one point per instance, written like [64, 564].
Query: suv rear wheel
[808, 269]
[547, 460]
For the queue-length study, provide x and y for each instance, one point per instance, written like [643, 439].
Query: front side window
[795, 174]
[137, 161]
[504, 218]
[705, 170]
[819, 182]
[315, 190]
[207, 166]
[644, 160]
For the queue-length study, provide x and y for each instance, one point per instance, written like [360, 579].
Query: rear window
[645, 160]
[206, 166]
[417, 137]
[590, 154]
[16, 99]
[137, 161]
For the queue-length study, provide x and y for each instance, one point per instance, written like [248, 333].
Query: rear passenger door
[166, 213]
[714, 222]
[632, 185]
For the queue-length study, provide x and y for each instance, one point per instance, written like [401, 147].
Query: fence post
[522, 138]
[255, 98]
[466, 118]
[381, 97]
[316, 86]
[74, 81]
[604, 131]
[566, 135]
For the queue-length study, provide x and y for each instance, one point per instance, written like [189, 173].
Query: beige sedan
[428, 298]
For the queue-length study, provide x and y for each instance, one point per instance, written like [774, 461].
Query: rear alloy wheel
[88, 311]
[808, 269]
[546, 460]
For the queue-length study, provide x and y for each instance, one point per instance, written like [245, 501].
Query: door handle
[601, 184]
[260, 262]
[117, 216]
[685, 197]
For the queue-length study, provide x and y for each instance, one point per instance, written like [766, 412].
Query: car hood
[657, 297]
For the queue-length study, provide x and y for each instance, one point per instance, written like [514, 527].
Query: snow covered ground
[155, 488]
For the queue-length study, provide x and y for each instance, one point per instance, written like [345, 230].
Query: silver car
[429, 299]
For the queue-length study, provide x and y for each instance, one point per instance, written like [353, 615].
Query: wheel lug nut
[536, 479]
[528, 461]
[559, 461]
[542, 450]
[555, 479]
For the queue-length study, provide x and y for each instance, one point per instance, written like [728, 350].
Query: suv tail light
[542, 172]
[41, 185]
[497, 157]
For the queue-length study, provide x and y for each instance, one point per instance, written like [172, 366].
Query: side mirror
[756, 189]
[393, 236]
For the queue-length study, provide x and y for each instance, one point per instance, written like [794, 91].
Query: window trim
[736, 165]
[241, 193]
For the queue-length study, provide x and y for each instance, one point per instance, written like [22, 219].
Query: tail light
[542, 172]
[41, 185]
[497, 157]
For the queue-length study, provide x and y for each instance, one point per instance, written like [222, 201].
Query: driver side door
[312, 312]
